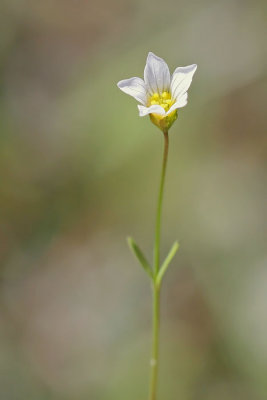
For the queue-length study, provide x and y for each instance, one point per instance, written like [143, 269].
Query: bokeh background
[79, 171]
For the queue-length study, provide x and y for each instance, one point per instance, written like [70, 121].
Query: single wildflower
[160, 94]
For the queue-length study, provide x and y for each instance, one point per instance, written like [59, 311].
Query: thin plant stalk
[156, 284]
[159, 207]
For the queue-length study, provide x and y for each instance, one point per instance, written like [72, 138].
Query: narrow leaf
[167, 261]
[140, 256]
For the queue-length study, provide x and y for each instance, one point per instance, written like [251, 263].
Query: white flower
[160, 94]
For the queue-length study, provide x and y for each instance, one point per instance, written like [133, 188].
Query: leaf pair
[156, 277]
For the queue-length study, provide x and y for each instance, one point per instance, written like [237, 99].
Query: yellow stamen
[162, 99]
[165, 95]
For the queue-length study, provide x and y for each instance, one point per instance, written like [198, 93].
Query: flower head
[160, 94]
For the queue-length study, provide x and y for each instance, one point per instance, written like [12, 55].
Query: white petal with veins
[156, 74]
[181, 102]
[155, 109]
[181, 80]
[136, 88]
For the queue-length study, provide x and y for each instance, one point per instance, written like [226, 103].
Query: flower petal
[135, 87]
[181, 80]
[181, 102]
[156, 74]
[155, 109]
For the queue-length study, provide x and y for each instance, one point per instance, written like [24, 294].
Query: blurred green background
[79, 171]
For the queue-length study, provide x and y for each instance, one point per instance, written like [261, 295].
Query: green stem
[154, 361]
[160, 198]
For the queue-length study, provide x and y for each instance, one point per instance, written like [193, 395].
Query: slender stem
[154, 361]
[160, 198]
[155, 343]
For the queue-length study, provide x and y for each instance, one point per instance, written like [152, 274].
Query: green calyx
[164, 122]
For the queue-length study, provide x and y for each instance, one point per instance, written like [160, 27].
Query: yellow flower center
[164, 100]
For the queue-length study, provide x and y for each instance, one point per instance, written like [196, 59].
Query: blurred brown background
[79, 171]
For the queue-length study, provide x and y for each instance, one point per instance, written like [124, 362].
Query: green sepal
[163, 122]
[140, 256]
[167, 261]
